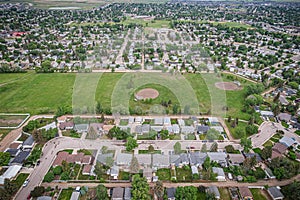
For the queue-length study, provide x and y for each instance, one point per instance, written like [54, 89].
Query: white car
[25, 182]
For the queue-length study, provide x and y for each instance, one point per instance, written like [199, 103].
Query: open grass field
[148, 23]
[44, 93]
[257, 194]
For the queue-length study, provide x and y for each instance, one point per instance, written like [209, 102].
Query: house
[158, 121]
[194, 170]
[61, 119]
[269, 173]
[138, 120]
[245, 193]
[171, 193]
[236, 159]
[75, 195]
[201, 129]
[220, 173]
[219, 157]
[97, 127]
[181, 122]
[66, 125]
[118, 193]
[20, 158]
[284, 117]
[197, 158]
[181, 160]
[167, 121]
[49, 126]
[13, 152]
[102, 158]
[256, 155]
[28, 143]
[160, 161]
[283, 100]
[147, 173]
[127, 193]
[144, 159]
[187, 129]
[124, 159]
[275, 193]
[214, 190]
[15, 145]
[10, 173]
[278, 150]
[114, 172]
[176, 129]
[266, 113]
[213, 120]
[79, 158]
[87, 169]
[287, 141]
[81, 128]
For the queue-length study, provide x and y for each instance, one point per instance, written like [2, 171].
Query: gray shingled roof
[275, 192]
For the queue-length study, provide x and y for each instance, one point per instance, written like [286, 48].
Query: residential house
[245, 193]
[202, 129]
[102, 158]
[278, 150]
[176, 129]
[160, 161]
[157, 128]
[10, 173]
[66, 125]
[197, 158]
[147, 173]
[127, 193]
[171, 193]
[284, 117]
[158, 121]
[181, 122]
[61, 119]
[214, 190]
[28, 143]
[79, 158]
[144, 159]
[220, 173]
[287, 141]
[219, 157]
[96, 127]
[187, 129]
[20, 158]
[256, 155]
[167, 121]
[181, 160]
[275, 193]
[49, 126]
[138, 120]
[81, 128]
[118, 193]
[236, 159]
[124, 159]
[13, 152]
[269, 173]
[114, 172]
[87, 170]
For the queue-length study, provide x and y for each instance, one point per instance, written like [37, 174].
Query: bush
[65, 176]
[37, 191]
[49, 177]
[57, 170]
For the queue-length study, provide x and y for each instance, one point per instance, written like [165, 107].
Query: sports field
[44, 93]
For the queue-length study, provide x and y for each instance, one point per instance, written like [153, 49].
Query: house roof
[266, 113]
[114, 170]
[182, 159]
[214, 190]
[87, 169]
[10, 173]
[102, 157]
[202, 128]
[124, 158]
[49, 126]
[275, 192]
[158, 121]
[284, 117]
[194, 170]
[60, 157]
[44, 198]
[245, 192]
[275, 154]
[75, 195]
[12, 152]
[160, 160]
[157, 128]
[217, 156]
[167, 120]
[21, 157]
[64, 125]
[118, 192]
[287, 141]
[81, 127]
[144, 159]
[127, 193]
[236, 158]
[197, 158]
[250, 155]
[187, 129]
[280, 148]
[171, 192]
[29, 141]
[219, 171]
[15, 145]
[147, 172]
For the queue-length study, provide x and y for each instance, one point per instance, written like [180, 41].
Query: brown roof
[86, 169]
[275, 154]
[86, 159]
[60, 157]
[15, 145]
[107, 127]
[245, 192]
[280, 148]
[66, 124]
[62, 118]
[236, 158]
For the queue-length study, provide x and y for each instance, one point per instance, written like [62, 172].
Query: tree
[104, 149]
[99, 109]
[276, 98]
[291, 191]
[65, 166]
[109, 161]
[187, 192]
[212, 134]
[229, 149]
[249, 162]
[229, 119]
[57, 170]
[206, 164]
[151, 148]
[177, 148]
[65, 176]
[159, 189]
[175, 109]
[118, 133]
[131, 144]
[164, 134]
[49, 177]
[4, 158]
[251, 129]
[37, 191]
[266, 152]
[4, 195]
[140, 188]
[204, 148]
[214, 147]
[101, 192]
[246, 143]
[10, 186]
[134, 165]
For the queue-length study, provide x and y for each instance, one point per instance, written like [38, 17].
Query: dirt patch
[147, 93]
[228, 86]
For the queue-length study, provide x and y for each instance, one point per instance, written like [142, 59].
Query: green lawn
[20, 179]
[268, 143]
[232, 24]
[147, 152]
[3, 133]
[65, 194]
[183, 174]
[163, 174]
[257, 194]
[147, 23]
[224, 193]
[233, 131]
[44, 93]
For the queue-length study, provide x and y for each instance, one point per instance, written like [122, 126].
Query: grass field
[232, 24]
[257, 194]
[44, 93]
[148, 23]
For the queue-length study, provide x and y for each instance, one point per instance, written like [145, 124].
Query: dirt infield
[227, 86]
[147, 93]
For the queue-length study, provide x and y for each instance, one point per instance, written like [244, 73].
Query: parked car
[25, 182]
